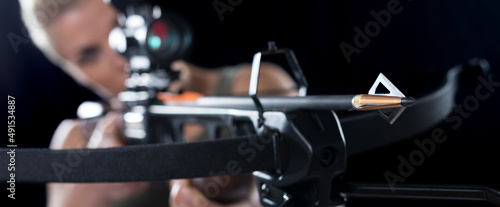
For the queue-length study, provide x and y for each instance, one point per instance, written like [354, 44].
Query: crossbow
[296, 147]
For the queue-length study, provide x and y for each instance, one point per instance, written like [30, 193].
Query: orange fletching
[185, 96]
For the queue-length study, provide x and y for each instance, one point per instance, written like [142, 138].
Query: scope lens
[158, 36]
[154, 42]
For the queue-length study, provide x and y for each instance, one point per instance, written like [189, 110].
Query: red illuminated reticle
[158, 35]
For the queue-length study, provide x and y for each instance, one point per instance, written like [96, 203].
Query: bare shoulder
[68, 135]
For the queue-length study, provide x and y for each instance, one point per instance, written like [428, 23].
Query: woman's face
[80, 35]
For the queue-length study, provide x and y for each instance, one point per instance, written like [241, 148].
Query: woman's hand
[183, 194]
[194, 78]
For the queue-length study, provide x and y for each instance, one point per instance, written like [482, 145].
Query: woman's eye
[88, 55]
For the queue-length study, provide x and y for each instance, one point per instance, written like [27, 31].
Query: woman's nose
[118, 60]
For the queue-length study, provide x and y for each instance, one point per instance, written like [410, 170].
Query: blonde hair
[37, 16]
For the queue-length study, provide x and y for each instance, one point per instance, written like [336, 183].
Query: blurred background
[425, 39]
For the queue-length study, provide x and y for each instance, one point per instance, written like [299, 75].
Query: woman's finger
[184, 195]
[175, 86]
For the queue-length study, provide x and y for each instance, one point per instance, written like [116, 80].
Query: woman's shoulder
[72, 133]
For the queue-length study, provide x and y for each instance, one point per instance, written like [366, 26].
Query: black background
[426, 38]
